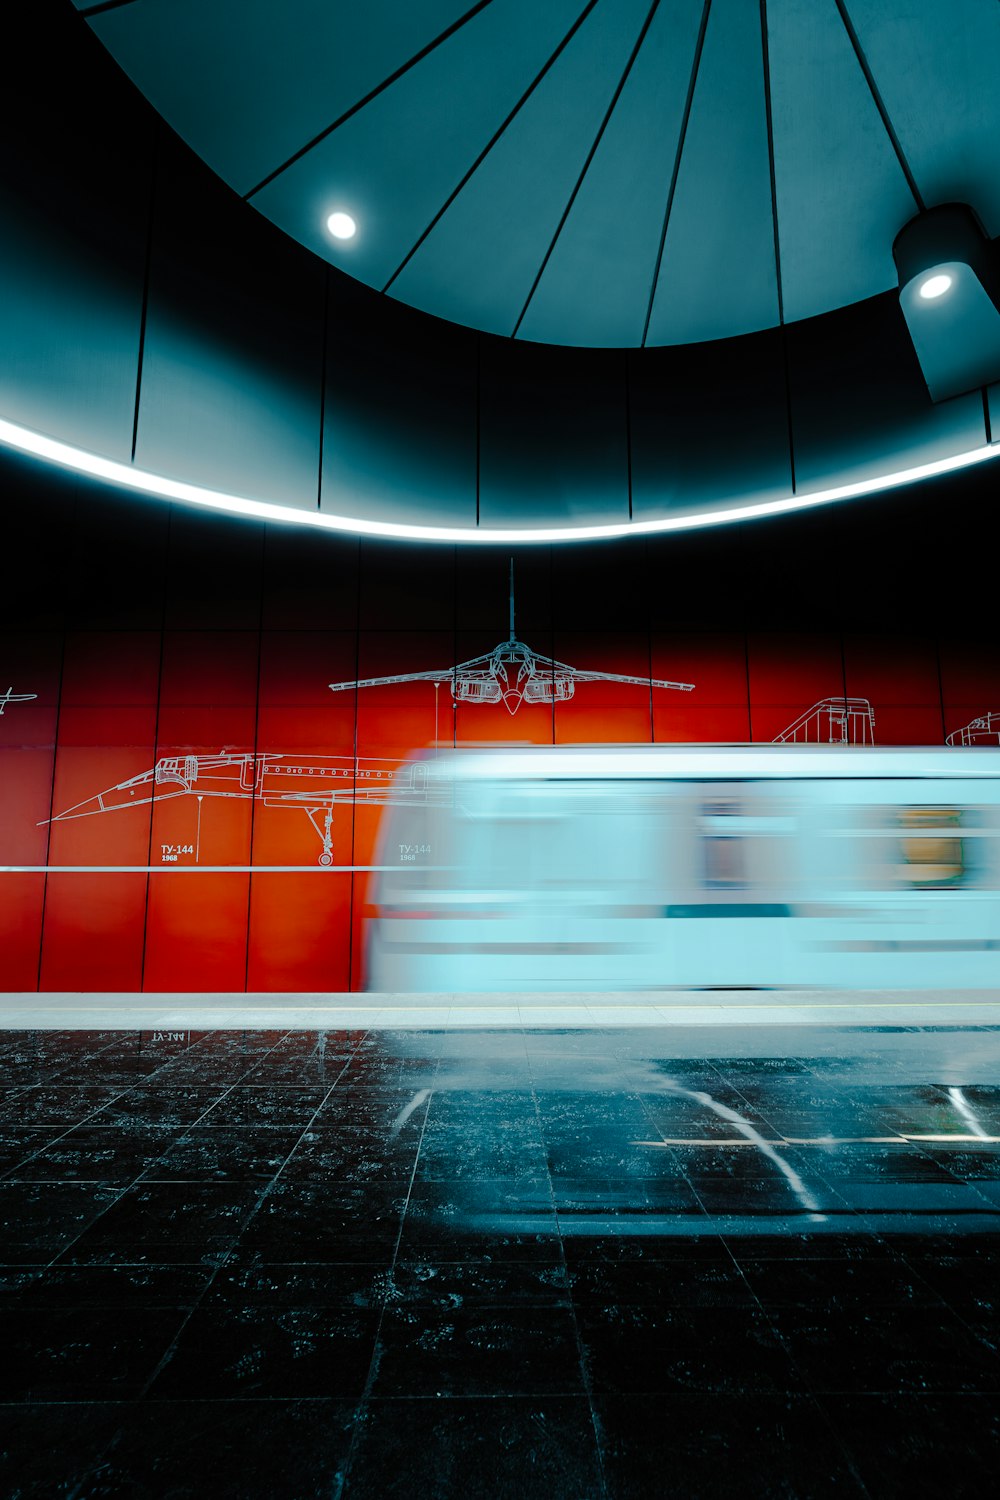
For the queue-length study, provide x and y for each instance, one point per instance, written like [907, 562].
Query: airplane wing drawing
[11, 697]
[479, 666]
[512, 674]
[579, 674]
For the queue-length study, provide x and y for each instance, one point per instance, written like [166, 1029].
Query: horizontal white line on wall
[204, 869]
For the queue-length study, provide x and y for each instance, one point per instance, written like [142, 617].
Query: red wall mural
[187, 804]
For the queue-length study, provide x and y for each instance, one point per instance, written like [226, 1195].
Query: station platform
[392, 1012]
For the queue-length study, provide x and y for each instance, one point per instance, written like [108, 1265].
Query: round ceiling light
[935, 286]
[341, 226]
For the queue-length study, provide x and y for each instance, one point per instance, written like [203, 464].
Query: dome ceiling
[610, 173]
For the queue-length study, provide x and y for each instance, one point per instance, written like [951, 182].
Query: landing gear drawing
[325, 832]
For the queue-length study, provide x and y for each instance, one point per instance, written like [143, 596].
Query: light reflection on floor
[500, 1261]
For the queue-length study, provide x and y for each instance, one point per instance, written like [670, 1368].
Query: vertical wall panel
[117, 577]
[93, 932]
[482, 591]
[859, 402]
[970, 677]
[232, 361]
[196, 926]
[399, 433]
[899, 677]
[553, 435]
[93, 922]
[407, 587]
[605, 711]
[309, 587]
[203, 811]
[717, 707]
[300, 922]
[788, 675]
[704, 428]
[75, 211]
[29, 663]
[214, 571]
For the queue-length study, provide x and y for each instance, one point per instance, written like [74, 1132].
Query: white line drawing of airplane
[832, 721]
[313, 786]
[983, 730]
[511, 674]
[11, 697]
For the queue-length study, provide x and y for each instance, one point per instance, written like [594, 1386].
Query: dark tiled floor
[500, 1263]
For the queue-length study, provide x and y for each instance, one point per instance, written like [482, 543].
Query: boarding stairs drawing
[832, 721]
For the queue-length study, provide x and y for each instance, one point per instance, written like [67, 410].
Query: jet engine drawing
[511, 674]
[832, 721]
[313, 786]
[11, 697]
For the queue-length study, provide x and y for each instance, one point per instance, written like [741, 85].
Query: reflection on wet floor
[500, 1263]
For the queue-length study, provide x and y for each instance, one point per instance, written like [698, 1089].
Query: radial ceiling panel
[937, 65]
[717, 276]
[248, 82]
[395, 162]
[479, 263]
[622, 187]
[856, 205]
[513, 166]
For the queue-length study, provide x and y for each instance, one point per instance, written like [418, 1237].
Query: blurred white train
[649, 867]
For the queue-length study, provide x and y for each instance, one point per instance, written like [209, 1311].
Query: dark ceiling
[609, 173]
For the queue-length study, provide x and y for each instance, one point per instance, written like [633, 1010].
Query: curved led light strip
[23, 440]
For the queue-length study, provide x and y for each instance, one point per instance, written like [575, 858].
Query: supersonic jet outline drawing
[511, 674]
[11, 697]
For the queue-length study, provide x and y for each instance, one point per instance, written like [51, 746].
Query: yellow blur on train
[652, 867]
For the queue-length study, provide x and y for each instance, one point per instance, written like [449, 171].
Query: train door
[729, 922]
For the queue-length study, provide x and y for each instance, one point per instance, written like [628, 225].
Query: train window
[724, 849]
[932, 849]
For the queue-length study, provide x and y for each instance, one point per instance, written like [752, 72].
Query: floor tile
[775, 1447]
[642, 1348]
[229, 1449]
[477, 1350]
[499, 1449]
[55, 1354]
[267, 1352]
[53, 1450]
[919, 1444]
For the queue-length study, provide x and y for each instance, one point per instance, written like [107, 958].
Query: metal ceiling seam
[154, 176]
[95, 10]
[324, 356]
[492, 142]
[590, 157]
[699, 48]
[766, 60]
[874, 90]
[379, 88]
